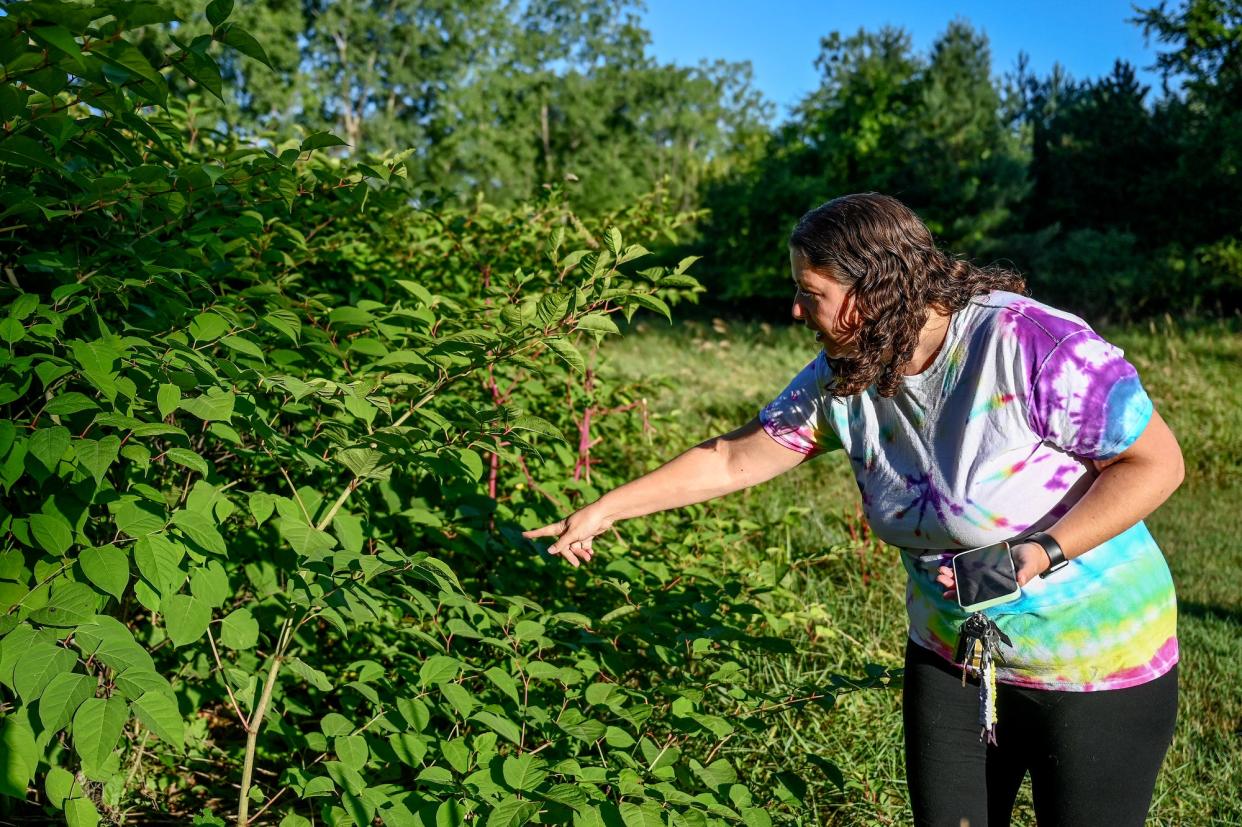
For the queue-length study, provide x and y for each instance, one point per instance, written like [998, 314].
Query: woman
[971, 415]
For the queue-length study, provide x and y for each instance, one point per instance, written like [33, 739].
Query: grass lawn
[840, 597]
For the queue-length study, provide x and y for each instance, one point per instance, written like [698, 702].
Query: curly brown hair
[878, 249]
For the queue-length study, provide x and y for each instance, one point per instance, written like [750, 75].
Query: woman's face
[823, 305]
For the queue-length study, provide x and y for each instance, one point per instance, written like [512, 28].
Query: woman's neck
[931, 340]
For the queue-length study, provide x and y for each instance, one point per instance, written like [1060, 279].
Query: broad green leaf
[218, 11]
[62, 697]
[598, 322]
[48, 445]
[185, 617]
[52, 532]
[305, 539]
[525, 772]
[42, 663]
[310, 674]
[19, 755]
[239, 630]
[210, 584]
[321, 140]
[243, 41]
[512, 812]
[159, 561]
[71, 604]
[138, 519]
[243, 346]
[59, 38]
[261, 506]
[612, 238]
[438, 669]
[60, 784]
[97, 725]
[641, 815]
[568, 353]
[216, 405]
[201, 530]
[207, 327]
[159, 712]
[96, 360]
[107, 567]
[136, 681]
[81, 812]
[97, 455]
[500, 725]
[652, 303]
[187, 458]
[70, 403]
[351, 750]
[167, 399]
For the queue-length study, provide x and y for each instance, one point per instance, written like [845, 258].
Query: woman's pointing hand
[573, 534]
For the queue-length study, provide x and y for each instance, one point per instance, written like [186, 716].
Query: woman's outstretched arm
[719, 466]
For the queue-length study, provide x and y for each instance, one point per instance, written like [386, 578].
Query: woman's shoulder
[1024, 321]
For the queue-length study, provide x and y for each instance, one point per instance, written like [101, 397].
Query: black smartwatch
[1056, 557]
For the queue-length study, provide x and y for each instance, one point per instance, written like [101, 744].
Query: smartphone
[985, 577]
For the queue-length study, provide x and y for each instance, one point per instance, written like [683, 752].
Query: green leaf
[612, 238]
[59, 38]
[19, 755]
[12, 332]
[42, 663]
[598, 322]
[321, 140]
[107, 567]
[218, 11]
[137, 681]
[651, 303]
[96, 360]
[215, 405]
[81, 812]
[512, 812]
[48, 445]
[499, 724]
[261, 506]
[51, 532]
[207, 327]
[525, 772]
[568, 353]
[167, 398]
[305, 539]
[97, 455]
[62, 697]
[239, 630]
[539, 425]
[210, 584]
[243, 346]
[438, 669]
[241, 40]
[351, 750]
[97, 726]
[73, 402]
[188, 459]
[71, 604]
[159, 561]
[60, 784]
[201, 530]
[185, 617]
[138, 519]
[159, 712]
[310, 674]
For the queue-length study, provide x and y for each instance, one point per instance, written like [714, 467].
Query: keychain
[981, 638]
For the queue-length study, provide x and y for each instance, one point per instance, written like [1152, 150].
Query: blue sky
[781, 38]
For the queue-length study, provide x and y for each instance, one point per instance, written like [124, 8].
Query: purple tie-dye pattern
[982, 452]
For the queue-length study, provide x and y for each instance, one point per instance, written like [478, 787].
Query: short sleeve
[798, 418]
[1086, 399]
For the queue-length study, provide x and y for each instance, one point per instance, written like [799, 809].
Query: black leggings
[1093, 756]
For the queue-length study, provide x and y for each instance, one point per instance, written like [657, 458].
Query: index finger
[554, 529]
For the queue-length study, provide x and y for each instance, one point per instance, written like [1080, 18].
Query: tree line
[1114, 198]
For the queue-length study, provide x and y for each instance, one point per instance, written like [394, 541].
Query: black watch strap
[1056, 557]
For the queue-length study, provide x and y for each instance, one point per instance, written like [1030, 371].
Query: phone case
[996, 601]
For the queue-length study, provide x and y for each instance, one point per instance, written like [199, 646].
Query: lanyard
[980, 639]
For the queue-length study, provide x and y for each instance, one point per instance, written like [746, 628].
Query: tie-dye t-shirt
[991, 443]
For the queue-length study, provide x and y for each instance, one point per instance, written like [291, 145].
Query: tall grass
[839, 599]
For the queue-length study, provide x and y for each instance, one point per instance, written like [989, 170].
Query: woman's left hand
[1029, 559]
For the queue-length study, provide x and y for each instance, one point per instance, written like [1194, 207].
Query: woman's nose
[797, 310]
